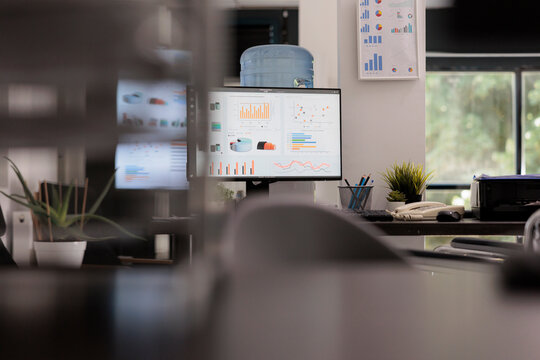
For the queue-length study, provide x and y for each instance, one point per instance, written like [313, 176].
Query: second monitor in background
[152, 153]
[271, 134]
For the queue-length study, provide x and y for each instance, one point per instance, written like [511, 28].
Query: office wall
[36, 164]
[383, 121]
[319, 35]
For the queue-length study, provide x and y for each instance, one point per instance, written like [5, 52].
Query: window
[469, 125]
[531, 122]
[482, 117]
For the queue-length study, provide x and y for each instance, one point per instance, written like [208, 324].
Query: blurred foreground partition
[85, 77]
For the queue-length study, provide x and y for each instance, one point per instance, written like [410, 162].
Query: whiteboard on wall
[387, 39]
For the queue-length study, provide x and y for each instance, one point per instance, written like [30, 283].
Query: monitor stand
[258, 188]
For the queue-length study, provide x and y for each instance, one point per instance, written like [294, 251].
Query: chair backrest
[289, 231]
[531, 233]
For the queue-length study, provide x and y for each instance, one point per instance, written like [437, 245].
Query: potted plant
[395, 199]
[61, 238]
[409, 179]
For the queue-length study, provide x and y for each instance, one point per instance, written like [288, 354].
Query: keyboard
[375, 215]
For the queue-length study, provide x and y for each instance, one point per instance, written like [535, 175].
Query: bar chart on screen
[254, 111]
[151, 165]
[301, 141]
[224, 168]
[251, 112]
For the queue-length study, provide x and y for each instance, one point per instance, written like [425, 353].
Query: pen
[365, 194]
[367, 179]
[361, 194]
[352, 193]
[349, 185]
[358, 192]
[353, 196]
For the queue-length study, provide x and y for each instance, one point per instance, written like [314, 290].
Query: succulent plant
[55, 216]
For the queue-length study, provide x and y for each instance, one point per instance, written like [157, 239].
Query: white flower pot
[60, 254]
[393, 205]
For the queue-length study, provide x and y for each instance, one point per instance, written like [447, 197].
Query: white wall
[318, 32]
[36, 164]
[383, 121]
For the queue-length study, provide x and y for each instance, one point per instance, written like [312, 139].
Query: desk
[130, 260]
[373, 313]
[463, 227]
[327, 312]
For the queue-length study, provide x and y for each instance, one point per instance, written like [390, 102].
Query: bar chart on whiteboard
[387, 39]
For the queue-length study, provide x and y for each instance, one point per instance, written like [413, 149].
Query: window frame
[516, 63]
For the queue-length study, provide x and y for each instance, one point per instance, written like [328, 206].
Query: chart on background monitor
[151, 165]
[152, 106]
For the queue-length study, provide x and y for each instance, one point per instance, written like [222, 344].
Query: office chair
[286, 231]
[5, 256]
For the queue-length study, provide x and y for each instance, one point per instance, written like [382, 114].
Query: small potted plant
[61, 238]
[408, 178]
[395, 199]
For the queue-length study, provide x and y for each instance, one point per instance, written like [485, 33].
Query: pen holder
[354, 197]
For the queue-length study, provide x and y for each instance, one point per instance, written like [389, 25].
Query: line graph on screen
[302, 166]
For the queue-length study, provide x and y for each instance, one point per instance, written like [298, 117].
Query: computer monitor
[153, 152]
[273, 134]
[151, 165]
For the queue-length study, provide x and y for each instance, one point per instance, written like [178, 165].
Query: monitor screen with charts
[152, 154]
[151, 165]
[273, 133]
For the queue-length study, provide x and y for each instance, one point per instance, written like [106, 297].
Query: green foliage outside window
[469, 125]
[531, 122]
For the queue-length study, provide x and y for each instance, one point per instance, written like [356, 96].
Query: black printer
[511, 198]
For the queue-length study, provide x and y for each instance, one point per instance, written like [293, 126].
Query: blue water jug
[276, 66]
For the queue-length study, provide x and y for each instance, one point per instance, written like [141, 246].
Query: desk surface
[374, 313]
[327, 312]
[463, 227]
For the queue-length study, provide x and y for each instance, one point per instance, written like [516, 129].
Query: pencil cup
[355, 197]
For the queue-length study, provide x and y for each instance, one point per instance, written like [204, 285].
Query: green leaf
[73, 219]
[27, 192]
[96, 205]
[19, 196]
[62, 213]
[38, 210]
[55, 198]
[77, 233]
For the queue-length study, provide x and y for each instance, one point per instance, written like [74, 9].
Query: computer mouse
[448, 216]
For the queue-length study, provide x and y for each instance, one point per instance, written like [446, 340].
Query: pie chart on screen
[378, 13]
[378, 27]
